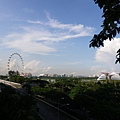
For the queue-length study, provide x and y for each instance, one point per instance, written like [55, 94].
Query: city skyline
[53, 37]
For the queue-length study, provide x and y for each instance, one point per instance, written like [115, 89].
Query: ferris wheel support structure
[9, 62]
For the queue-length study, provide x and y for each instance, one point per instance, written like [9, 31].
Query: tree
[14, 106]
[11, 73]
[111, 24]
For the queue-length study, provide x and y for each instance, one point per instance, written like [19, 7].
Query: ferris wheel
[15, 63]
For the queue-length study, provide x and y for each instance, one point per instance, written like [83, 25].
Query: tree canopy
[15, 106]
[111, 24]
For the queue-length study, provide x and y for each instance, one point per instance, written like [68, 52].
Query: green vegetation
[98, 100]
[14, 106]
[111, 23]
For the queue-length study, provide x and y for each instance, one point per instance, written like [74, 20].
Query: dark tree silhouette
[111, 24]
[14, 106]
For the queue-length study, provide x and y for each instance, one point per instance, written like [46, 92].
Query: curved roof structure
[102, 77]
[110, 76]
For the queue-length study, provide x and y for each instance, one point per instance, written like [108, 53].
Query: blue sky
[52, 36]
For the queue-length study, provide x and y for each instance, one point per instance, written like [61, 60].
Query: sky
[53, 37]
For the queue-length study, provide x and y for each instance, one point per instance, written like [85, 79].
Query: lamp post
[58, 109]
[0, 88]
[59, 106]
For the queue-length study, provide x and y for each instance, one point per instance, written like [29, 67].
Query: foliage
[111, 22]
[3, 77]
[100, 99]
[118, 57]
[14, 106]
[18, 79]
[36, 89]
[13, 73]
[27, 87]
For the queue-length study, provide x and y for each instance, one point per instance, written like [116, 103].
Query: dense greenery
[111, 23]
[98, 100]
[101, 100]
[14, 106]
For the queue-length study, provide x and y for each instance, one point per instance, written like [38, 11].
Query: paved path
[49, 112]
[13, 84]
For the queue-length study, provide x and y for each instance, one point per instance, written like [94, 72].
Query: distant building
[28, 75]
[55, 75]
[64, 75]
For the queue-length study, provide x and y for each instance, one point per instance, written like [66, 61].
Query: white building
[109, 76]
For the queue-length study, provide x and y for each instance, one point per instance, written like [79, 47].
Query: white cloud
[3, 67]
[98, 67]
[79, 29]
[96, 70]
[28, 42]
[75, 28]
[36, 22]
[32, 67]
[32, 64]
[46, 69]
[73, 63]
[39, 38]
[107, 53]
[35, 67]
